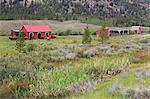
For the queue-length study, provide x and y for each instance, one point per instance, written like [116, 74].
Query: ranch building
[33, 32]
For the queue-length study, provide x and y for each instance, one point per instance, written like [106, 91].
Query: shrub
[12, 66]
[90, 53]
[141, 57]
[68, 32]
[86, 36]
[31, 47]
[130, 32]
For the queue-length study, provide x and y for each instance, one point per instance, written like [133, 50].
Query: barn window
[47, 34]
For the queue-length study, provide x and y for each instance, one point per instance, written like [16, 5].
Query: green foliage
[43, 11]
[34, 74]
[130, 32]
[58, 80]
[86, 36]
[20, 42]
[31, 47]
[4, 33]
[117, 21]
[42, 80]
[103, 37]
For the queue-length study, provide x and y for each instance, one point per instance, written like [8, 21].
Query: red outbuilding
[106, 32]
[33, 32]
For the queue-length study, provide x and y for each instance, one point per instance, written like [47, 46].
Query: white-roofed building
[136, 29]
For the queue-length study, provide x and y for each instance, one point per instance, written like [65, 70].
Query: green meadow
[44, 70]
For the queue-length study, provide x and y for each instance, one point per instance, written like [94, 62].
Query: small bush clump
[86, 36]
[31, 47]
[68, 32]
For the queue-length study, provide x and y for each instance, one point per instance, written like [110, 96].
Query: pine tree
[20, 42]
[87, 36]
[103, 36]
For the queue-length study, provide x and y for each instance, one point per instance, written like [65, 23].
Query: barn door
[47, 34]
[39, 35]
[31, 35]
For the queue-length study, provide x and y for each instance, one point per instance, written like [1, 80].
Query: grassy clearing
[8, 47]
[35, 74]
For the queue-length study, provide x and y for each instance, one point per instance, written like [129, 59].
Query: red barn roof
[31, 28]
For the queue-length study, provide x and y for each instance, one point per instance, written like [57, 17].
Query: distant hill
[71, 9]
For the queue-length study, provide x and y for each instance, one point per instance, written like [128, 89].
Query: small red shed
[106, 31]
[33, 32]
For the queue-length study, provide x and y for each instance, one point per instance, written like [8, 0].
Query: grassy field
[43, 72]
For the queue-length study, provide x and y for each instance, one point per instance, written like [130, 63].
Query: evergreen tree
[86, 36]
[20, 42]
[103, 36]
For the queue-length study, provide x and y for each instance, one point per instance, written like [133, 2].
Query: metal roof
[30, 28]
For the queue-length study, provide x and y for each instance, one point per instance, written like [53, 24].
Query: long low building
[125, 30]
[119, 31]
[116, 31]
[33, 32]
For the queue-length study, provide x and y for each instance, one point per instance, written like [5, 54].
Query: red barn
[33, 32]
[106, 31]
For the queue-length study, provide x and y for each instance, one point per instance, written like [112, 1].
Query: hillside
[72, 26]
[76, 26]
[71, 9]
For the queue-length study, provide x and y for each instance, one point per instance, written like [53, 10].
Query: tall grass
[40, 80]
[34, 74]
[58, 80]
